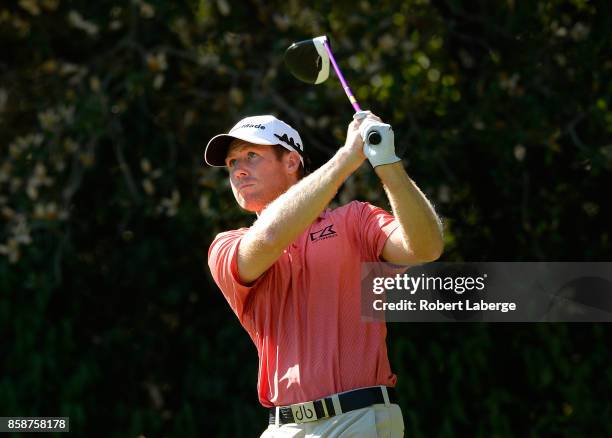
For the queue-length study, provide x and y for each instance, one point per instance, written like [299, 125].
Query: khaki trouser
[376, 421]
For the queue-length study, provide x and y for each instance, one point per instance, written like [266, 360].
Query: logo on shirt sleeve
[325, 233]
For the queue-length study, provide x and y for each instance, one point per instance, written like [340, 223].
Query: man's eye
[231, 163]
[252, 154]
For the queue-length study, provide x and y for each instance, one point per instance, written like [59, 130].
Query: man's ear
[292, 161]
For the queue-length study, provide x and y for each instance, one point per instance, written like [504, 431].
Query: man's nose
[240, 170]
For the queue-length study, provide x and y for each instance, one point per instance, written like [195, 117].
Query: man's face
[256, 175]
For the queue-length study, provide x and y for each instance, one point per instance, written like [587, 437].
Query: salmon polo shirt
[304, 312]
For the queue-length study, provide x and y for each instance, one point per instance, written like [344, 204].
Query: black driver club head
[308, 60]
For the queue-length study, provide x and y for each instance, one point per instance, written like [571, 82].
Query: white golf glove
[380, 149]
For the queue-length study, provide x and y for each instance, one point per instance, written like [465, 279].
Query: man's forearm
[421, 228]
[281, 222]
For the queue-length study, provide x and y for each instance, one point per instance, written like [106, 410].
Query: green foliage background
[503, 116]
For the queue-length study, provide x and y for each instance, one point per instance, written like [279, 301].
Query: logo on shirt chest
[325, 233]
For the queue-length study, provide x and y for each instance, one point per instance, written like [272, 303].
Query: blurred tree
[502, 113]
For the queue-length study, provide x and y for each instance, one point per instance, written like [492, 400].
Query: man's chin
[253, 203]
[250, 207]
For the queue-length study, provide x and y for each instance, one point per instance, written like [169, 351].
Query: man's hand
[379, 143]
[383, 151]
[354, 141]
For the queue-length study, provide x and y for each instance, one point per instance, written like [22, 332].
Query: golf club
[309, 60]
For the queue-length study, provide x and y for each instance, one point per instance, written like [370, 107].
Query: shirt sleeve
[223, 264]
[375, 225]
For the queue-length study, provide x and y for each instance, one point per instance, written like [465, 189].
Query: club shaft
[347, 89]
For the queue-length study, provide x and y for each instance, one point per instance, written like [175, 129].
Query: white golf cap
[265, 130]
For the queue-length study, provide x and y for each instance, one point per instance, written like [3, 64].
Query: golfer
[293, 277]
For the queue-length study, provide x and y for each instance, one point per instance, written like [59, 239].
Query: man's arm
[284, 219]
[419, 237]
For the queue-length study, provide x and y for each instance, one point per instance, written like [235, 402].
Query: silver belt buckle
[304, 412]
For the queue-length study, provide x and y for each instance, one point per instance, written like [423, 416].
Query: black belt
[324, 407]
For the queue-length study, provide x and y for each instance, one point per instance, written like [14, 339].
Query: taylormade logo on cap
[263, 130]
[248, 125]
